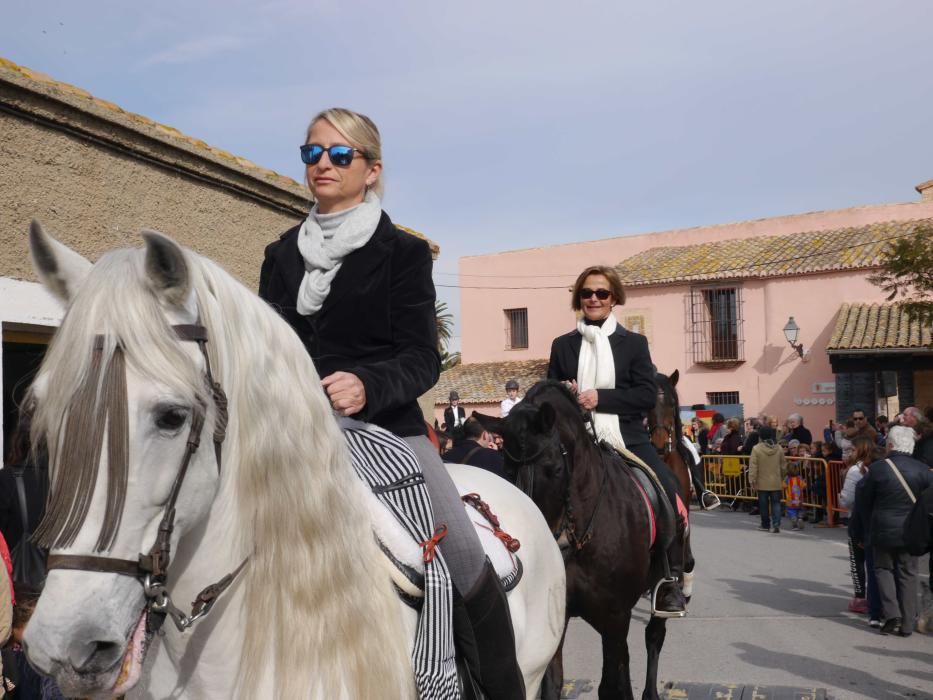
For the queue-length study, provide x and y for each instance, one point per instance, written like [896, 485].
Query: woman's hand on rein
[588, 400]
[346, 392]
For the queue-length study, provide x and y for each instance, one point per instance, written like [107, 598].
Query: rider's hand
[571, 384]
[588, 400]
[346, 392]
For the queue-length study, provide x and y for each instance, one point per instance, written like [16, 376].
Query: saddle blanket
[404, 555]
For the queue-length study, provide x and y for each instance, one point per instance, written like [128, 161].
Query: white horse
[314, 613]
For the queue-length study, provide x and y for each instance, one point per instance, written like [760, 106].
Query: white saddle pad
[404, 556]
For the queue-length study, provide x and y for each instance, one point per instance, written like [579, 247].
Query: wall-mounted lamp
[790, 332]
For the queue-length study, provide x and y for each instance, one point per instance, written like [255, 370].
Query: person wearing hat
[511, 393]
[454, 415]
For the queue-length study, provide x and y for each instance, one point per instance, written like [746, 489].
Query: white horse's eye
[171, 417]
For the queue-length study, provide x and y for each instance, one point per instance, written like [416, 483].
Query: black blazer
[378, 322]
[635, 392]
[449, 416]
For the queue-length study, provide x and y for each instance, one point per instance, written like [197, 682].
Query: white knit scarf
[324, 254]
[596, 370]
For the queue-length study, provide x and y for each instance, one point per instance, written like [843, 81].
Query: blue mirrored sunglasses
[340, 156]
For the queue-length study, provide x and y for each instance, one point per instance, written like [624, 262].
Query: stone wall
[94, 175]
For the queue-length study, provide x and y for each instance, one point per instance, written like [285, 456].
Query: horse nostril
[96, 657]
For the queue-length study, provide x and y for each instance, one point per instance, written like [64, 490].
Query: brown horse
[598, 513]
[666, 431]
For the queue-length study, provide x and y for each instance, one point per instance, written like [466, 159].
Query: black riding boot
[669, 599]
[484, 636]
[705, 498]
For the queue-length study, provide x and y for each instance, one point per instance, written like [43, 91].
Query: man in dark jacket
[454, 415]
[885, 501]
[473, 451]
[861, 428]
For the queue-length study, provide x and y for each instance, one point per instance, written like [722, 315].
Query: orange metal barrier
[727, 477]
[835, 478]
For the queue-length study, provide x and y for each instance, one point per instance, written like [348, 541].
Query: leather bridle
[568, 525]
[151, 569]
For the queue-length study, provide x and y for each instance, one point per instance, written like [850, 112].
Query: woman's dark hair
[864, 451]
[615, 284]
[719, 418]
[766, 432]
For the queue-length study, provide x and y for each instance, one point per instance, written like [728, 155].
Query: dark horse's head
[540, 436]
[664, 419]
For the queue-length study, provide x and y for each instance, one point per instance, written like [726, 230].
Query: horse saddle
[401, 514]
[404, 558]
[660, 508]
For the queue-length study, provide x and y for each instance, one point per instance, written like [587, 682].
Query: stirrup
[654, 598]
[716, 501]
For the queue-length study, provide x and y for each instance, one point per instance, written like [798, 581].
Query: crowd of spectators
[786, 463]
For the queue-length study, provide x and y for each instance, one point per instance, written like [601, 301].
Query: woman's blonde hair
[733, 424]
[360, 132]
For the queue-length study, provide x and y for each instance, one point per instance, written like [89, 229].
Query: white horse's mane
[314, 612]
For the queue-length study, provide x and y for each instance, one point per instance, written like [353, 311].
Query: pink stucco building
[713, 302]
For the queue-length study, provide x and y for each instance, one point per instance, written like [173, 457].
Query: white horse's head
[311, 618]
[115, 376]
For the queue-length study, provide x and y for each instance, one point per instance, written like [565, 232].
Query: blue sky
[517, 124]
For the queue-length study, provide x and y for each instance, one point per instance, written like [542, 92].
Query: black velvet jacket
[882, 499]
[378, 322]
[635, 392]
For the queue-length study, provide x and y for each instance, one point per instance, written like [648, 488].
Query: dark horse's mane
[566, 406]
[672, 400]
[547, 384]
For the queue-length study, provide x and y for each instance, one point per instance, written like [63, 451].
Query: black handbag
[29, 561]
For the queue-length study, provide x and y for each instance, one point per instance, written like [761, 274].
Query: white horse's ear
[60, 269]
[166, 268]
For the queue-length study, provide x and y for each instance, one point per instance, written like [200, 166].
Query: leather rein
[151, 569]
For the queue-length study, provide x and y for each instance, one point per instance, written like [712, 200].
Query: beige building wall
[94, 175]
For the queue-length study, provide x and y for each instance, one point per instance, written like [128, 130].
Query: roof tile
[770, 256]
[484, 382]
[878, 327]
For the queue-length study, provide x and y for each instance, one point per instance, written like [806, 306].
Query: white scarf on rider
[324, 247]
[596, 369]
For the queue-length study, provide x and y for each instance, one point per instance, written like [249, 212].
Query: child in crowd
[793, 488]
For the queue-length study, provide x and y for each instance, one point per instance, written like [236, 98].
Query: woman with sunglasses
[359, 293]
[609, 369]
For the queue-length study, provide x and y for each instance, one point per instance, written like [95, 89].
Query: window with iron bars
[716, 325]
[722, 398]
[516, 329]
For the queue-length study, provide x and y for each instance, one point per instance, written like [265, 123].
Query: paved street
[768, 609]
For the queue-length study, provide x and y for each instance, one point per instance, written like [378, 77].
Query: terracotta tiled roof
[484, 382]
[803, 253]
[877, 327]
[167, 133]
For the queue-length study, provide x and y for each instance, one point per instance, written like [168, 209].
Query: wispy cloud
[195, 50]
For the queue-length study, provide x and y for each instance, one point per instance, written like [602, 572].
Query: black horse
[666, 431]
[598, 512]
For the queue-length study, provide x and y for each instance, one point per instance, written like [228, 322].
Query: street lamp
[790, 332]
